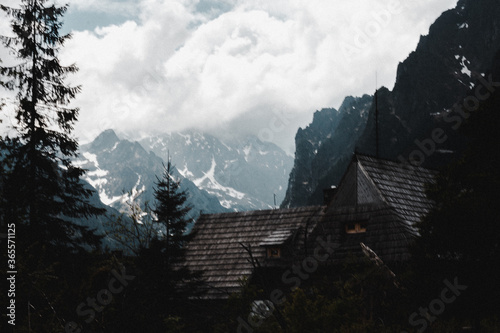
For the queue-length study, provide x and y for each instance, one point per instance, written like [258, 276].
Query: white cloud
[252, 66]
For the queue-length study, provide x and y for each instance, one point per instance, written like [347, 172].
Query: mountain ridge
[122, 171]
[244, 174]
[218, 176]
[329, 139]
[431, 85]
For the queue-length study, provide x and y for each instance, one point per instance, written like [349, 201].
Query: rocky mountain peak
[431, 84]
[106, 140]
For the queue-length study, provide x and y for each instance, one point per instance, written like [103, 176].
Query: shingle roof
[383, 195]
[278, 237]
[217, 249]
[402, 187]
[387, 197]
[385, 234]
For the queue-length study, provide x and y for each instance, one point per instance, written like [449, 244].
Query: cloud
[237, 67]
[104, 6]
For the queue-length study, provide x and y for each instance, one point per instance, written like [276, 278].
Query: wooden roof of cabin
[217, 250]
[372, 180]
[385, 234]
[387, 197]
[402, 187]
[384, 195]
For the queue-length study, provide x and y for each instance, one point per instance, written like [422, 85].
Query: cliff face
[451, 62]
[327, 141]
[460, 46]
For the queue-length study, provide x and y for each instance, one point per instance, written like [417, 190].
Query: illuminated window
[274, 252]
[355, 227]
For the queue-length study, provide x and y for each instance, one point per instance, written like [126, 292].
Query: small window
[355, 227]
[274, 252]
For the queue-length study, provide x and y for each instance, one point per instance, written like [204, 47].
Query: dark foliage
[171, 212]
[42, 186]
[41, 191]
[160, 299]
[461, 235]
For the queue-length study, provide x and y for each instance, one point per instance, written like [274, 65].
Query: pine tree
[164, 283]
[171, 212]
[42, 193]
[44, 189]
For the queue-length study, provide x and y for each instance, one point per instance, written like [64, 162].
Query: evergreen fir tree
[165, 285]
[43, 188]
[171, 213]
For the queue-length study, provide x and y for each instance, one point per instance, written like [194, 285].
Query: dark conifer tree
[161, 299]
[41, 189]
[44, 188]
[171, 213]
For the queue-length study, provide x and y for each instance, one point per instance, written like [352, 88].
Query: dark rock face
[419, 119]
[329, 140]
[446, 64]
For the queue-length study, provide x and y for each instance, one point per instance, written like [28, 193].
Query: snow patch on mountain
[95, 176]
[185, 172]
[244, 174]
[91, 158]
[212, 186]
[123, 172]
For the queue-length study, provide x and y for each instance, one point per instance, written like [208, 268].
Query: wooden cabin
[376, 203]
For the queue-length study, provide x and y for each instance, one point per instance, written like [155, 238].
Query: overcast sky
[232, 67]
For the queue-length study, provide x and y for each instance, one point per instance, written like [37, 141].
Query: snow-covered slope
[243, 175]
[121, 171]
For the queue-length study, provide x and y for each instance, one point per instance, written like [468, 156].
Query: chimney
[328, 194]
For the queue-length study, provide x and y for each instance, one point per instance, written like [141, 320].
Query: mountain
[121, 171]
[419, 119]
[446, 65]
[329, 140]
[242, 174]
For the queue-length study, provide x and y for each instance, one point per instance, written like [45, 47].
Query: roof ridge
[400, 164]
[266, 211]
